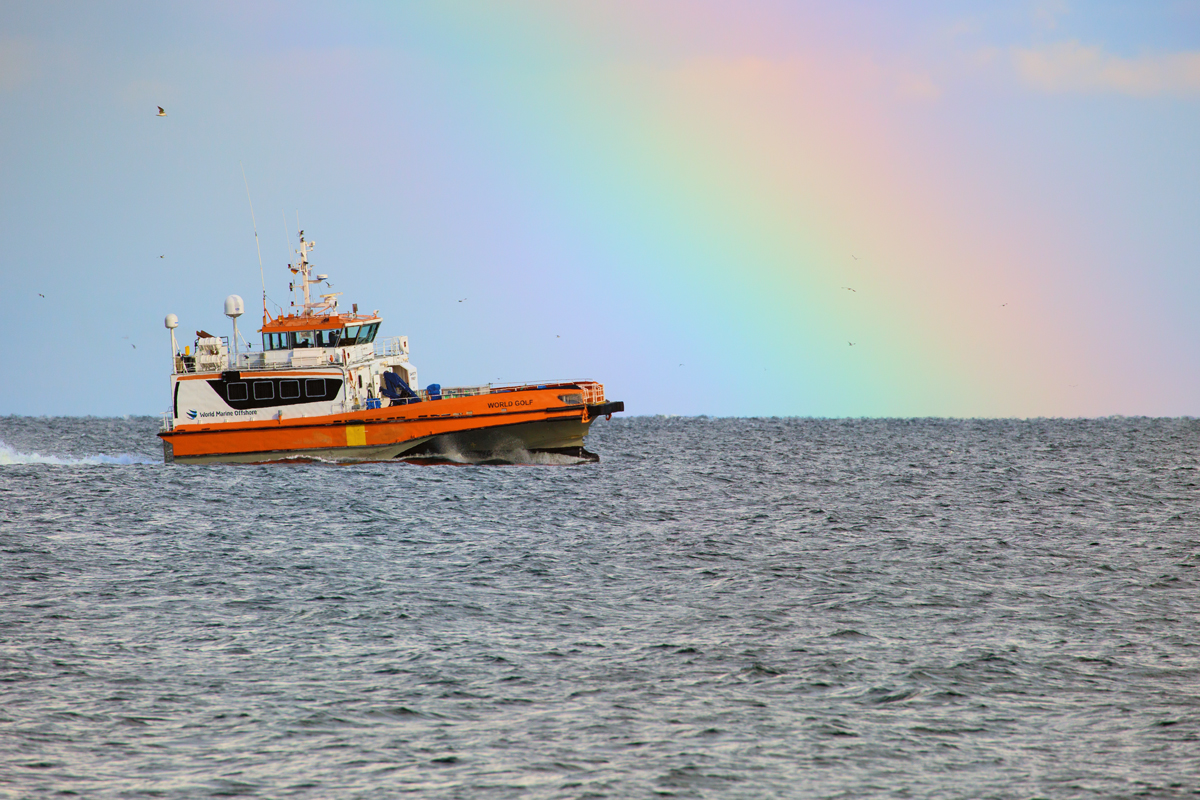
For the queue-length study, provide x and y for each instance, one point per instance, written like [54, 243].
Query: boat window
[361, 334]
[264, 390]
[303, 339]
[237, 391]
[315, 387]
[328, 338]
[289, 390]
[274, 341]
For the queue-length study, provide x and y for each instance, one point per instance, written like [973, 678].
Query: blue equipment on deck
[395, 388]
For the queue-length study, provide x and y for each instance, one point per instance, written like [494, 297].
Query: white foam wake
[514, 455]
[10, 457]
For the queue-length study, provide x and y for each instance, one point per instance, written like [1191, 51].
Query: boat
[324, 387]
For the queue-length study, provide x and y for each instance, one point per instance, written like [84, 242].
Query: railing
[593, 392]
[251, 362]
[394, 346]
[459, 391]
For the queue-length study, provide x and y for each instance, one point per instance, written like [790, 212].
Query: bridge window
[304, 339]
[328, 338]
[275, 341]
[360, 334]
[264, 390]
[289, 390]
[237, 391]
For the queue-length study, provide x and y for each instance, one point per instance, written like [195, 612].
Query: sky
[752, 208]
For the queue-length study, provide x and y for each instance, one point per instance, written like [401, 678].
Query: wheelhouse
[284, 333]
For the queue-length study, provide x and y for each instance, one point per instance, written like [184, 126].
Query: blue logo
[191, 413]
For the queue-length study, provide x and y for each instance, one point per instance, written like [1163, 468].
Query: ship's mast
[328, 302]
[304, 270]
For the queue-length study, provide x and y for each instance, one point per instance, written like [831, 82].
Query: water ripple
[719, 608]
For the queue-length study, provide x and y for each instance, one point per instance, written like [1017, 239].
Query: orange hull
[534, 418]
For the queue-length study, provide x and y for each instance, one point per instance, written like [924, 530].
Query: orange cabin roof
[314, 322]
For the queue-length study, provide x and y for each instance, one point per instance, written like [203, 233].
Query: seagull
[1002, 305]
[848, 289]
[854, 256]
[556, 336]
[41, 295]
[462, 299]
[134, 346]
[850, 343]
[160, 113]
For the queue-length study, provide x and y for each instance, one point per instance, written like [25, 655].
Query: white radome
[234, 307]
[171, 321]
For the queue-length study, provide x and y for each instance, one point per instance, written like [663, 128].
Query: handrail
[392, 346]
[252, 362]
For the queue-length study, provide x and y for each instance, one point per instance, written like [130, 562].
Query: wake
[12, 457]
[515, 456]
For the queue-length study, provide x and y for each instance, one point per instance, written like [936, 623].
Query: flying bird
[848, 289]
[41, 295]
[462, 299]
[134, 346]
[160, 113]
[850, 343]
[854, 256]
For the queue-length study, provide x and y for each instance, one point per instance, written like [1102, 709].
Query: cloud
[1073, 67]
[1047, 12]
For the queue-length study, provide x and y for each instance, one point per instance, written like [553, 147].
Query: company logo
[194, 414]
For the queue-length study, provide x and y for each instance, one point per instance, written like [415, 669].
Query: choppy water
[719, 608]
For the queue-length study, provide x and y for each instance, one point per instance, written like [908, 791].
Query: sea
[718, 608]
